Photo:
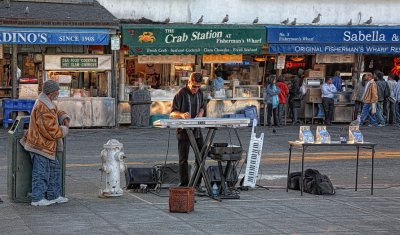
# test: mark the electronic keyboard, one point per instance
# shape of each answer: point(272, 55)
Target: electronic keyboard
point(202, 122)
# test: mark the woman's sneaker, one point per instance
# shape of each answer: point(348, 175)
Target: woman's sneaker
point(59, 200)
point(42, 202)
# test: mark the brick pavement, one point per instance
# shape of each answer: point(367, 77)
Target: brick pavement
point(259, 211)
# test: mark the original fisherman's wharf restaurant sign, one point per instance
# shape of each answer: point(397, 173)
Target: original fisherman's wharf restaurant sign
point(334, 39)
point(193, 39)
point(54, 36)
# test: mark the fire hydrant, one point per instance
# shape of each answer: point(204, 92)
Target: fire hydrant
point(113, 163)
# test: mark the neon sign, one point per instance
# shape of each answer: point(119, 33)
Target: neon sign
point(396, 66)
point(291, 64)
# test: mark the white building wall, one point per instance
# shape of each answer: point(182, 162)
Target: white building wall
point(334, 12)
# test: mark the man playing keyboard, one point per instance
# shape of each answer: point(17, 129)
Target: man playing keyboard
point(188, 103)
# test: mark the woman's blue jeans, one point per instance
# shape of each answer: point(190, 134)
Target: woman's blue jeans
point(46, 178)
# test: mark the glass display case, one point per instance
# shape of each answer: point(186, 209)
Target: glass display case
point(246, 91)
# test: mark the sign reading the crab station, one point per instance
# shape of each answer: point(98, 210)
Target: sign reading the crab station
point(193, 39)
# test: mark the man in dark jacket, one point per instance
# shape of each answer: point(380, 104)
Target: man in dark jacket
point(383, 94)
point(188, 103)
point(295, 97)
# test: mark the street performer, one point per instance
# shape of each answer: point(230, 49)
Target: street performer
point(188, 103)
point(47, 126)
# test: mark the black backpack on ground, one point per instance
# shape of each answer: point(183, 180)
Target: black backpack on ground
point(314, 182)
point(294, 180)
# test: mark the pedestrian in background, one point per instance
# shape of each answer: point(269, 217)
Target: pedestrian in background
point(295, 98)
point(218, 82)
point(282, 97)
point(357, 97)
point(47, 126)
point(391, 101)
point(396, 96)
point(271, 100)
point(337, 81)
point(383, 94)
point(328, 92)
point(369, 99)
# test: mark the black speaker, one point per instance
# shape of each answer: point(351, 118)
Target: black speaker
point(137, 176)
point(215, 176)
point(168, 174)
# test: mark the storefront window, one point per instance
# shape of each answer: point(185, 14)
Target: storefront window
point(385, 63)
point(80, 84)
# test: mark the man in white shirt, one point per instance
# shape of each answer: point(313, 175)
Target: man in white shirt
point(328, 90)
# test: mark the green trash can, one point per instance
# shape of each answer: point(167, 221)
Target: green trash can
point(19, 164)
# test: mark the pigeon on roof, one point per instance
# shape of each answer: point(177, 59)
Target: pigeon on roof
point(369, 21)
point(294, 22)
point(350, 22)
point(200, 20)
point(225, 19)
point(285, 21)
point(255, 21)
point(317, 19)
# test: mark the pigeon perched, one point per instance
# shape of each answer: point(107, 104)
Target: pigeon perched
point(225, 19)
point(317, 19)
point(144, 20)
point(293, 22)
point(26, 10)
point(167, 20)
point(200, 20)
point(369, 21)
point(255, 21)
point(350, 22)
point(285, 21)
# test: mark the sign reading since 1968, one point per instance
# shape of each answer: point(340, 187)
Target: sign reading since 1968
point(79, 62)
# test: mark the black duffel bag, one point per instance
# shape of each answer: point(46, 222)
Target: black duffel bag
point(314, 182)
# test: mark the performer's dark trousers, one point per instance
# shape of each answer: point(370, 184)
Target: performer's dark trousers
point(328, 104)
point(183, 149)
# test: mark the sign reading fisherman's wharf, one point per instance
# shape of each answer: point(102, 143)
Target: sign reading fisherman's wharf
point(193, 39)
point(217, 37)
point(333, 34)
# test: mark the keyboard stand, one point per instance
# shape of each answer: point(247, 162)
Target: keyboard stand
point(200, 157)
point(212, 124)
point(226, 192)
point(199, 168)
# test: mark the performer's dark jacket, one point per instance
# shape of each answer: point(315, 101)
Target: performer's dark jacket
point(185, 101)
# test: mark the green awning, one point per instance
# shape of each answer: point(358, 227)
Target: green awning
point(193, 39)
